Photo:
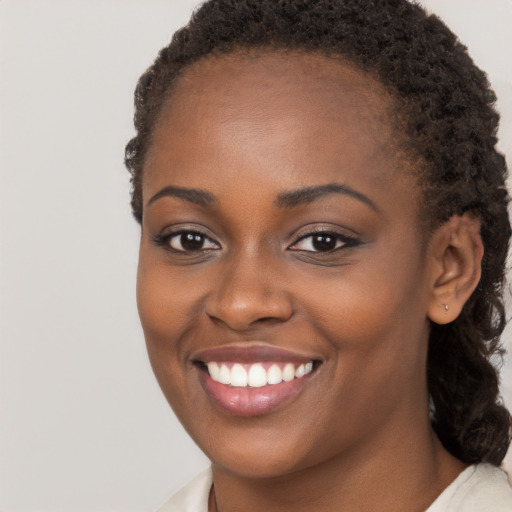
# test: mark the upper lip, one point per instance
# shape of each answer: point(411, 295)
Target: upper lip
point(252, 352)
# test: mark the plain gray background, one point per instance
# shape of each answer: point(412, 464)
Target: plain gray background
point(83, 425)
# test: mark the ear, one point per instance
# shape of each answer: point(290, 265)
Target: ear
point(456, 252)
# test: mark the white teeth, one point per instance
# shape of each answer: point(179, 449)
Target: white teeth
point(255, 375)
point(288, 372)
point(238, 376)
point(274, 375)
point(225, 375)
point(214, 370)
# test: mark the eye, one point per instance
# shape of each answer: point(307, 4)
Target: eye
point(324, 241)
point(186, 241)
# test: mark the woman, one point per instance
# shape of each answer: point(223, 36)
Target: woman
point(324, 231)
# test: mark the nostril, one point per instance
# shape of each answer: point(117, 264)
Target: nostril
point(241, 319)
point(243, 301)
point(267, 319)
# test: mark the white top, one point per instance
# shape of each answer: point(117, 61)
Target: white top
point(479, 488)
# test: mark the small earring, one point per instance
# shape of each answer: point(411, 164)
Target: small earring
point(445, 308)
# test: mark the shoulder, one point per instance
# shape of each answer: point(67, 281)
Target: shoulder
point(191, 498)
point(480, 488)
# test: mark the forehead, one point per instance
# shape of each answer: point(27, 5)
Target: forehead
point(263, 72)
point(295, 114)
point(251, 84)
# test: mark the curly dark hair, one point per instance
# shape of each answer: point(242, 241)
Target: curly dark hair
point(446, 109)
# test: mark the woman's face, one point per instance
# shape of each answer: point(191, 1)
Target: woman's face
point(280, 237)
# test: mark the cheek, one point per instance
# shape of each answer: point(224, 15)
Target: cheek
point(374, 316)
point(377, 332)
point(161, 305)
point(165, 300)
point(153, 295)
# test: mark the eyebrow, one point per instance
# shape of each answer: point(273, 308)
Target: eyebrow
point(287, 199)
point(307, 195)
point(192, 195)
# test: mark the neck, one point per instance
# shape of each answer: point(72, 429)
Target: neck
point(405, 471)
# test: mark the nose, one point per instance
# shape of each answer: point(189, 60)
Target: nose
point(248, 293)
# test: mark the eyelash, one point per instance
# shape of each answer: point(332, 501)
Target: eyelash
point(346, 240)
point(164, 240)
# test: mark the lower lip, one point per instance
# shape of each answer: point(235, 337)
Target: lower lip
point(249, 401)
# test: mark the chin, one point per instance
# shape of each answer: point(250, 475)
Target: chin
point(256, 464)
point(259, 452)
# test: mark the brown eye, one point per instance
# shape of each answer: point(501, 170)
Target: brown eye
point(191, 241)
point(323, 242)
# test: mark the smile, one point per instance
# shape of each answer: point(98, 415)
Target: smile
point(258, 374)
point(253, 379)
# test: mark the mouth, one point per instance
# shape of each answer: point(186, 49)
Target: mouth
point(253, 380)
point(256, 375)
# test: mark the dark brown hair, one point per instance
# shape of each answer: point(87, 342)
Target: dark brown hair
point(446, 109)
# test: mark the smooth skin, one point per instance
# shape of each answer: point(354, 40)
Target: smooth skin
point(238, 135)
